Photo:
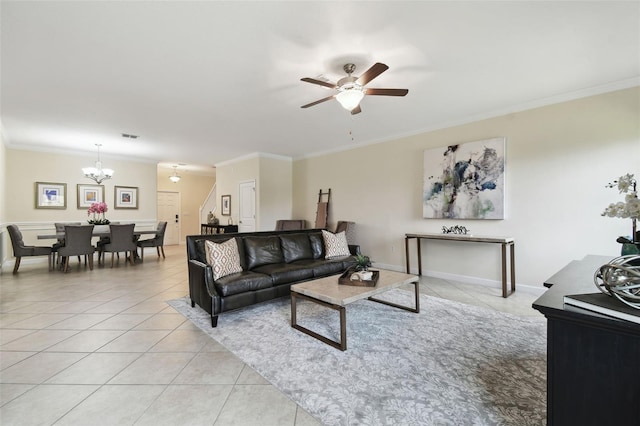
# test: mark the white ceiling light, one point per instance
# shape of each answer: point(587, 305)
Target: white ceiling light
point(350, 98)
point(174, 177)
point(97, 173)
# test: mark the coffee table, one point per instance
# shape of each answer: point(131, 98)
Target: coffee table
point(328, 293)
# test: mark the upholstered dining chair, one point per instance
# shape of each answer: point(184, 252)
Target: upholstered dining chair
point(157, 241)
point(21, 250)
point(77, 242)
point(60, 230)
point(290, 224)
point(120, 239)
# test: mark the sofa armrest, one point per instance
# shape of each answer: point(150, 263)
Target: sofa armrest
point(354, 249)
point(201, 287)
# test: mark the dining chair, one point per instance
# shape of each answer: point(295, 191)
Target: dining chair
point(20, 249)
point(60, 231)
point(348, 228)
point(77, 242)
point(157, 241)
point(120, 239)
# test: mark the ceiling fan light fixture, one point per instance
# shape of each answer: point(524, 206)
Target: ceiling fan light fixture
point(350, 98)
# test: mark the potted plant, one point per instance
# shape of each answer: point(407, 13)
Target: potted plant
point(629, 209)
point(362, 262)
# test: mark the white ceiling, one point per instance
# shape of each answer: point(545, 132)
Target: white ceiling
point(205, 82)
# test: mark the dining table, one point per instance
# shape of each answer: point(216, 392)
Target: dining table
point(60, 235)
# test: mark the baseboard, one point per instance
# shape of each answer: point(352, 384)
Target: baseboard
point(529, 289)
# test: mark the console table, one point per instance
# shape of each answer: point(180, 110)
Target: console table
point(503, 241)
point(205, 228)
point(592, 359)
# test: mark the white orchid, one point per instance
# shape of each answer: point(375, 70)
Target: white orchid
point(630, 208)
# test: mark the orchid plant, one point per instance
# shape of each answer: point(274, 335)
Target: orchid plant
point(98, 209)
point(630, 208)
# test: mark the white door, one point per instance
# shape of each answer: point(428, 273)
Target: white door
point(247, 207)
point(169, 211)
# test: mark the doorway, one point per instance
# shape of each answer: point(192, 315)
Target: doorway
point(247, 207)
point(169, 211)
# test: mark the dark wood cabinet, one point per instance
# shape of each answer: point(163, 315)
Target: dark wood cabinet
point(593, 361)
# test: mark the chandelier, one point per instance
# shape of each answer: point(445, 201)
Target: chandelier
point(174, 177)
point(97, 173)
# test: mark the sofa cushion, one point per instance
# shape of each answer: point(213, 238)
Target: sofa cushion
point(223, 258)
point(262, 251)
point(317, 245)
point(322, 268)
point(284, 273)
point(335, 245)
point(296, 247)
point(242, 282)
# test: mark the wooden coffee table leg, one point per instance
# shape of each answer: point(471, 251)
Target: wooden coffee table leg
point(342, 344)
point(406, 308)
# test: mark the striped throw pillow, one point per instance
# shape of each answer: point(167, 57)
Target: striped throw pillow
point(223, 258)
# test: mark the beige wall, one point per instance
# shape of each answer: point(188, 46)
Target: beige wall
point(5, 244)
point(273, 177)
point(558, 160)
point(275, 191)
point(24, 168)
point(193, 189)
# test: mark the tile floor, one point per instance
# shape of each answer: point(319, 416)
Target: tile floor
point(102, 347)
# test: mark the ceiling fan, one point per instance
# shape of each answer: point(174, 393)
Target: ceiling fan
point(351, 90)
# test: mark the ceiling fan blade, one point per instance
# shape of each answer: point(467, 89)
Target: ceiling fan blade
point(356, 110)
point(318, 102)
point(320, 82)
point(387, 92)
point(375, 70)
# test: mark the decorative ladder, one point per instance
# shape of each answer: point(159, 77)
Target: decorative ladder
point(323, 209)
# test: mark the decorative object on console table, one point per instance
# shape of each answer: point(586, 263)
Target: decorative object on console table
point(226, 205)
point(620, 278)
point(126, 197)
point(50, 195)
point(601, 303)
point(630, 208)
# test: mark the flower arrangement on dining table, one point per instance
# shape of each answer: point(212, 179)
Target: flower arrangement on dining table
point(629, 209)
point(98, 210)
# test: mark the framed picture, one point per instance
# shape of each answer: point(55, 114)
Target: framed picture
point(88, 194)
point(126, 197)
point(50, 195)
point(226, 205)
point(465, 181)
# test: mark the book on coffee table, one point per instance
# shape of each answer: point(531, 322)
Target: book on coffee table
point(604, 304)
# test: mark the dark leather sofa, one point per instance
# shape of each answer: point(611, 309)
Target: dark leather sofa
point(271, 262)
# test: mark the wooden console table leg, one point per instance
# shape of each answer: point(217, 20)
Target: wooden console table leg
point(513, 267)
point(419, 257)
point(504, 270)
point(406, 253)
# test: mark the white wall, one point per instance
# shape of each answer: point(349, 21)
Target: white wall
point(558, 160)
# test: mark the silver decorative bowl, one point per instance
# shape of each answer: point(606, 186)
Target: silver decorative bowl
point(620, 278)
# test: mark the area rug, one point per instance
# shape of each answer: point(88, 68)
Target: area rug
point(451, 364)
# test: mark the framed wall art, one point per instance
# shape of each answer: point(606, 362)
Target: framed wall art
point(126, 197)
point(51, 195)
point(226, 205)
point(465, 181)
point(88, 194)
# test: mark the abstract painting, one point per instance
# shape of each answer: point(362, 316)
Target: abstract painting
point(464, 181)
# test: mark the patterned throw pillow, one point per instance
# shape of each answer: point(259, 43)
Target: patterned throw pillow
point(335, 245)
point(223, 258)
